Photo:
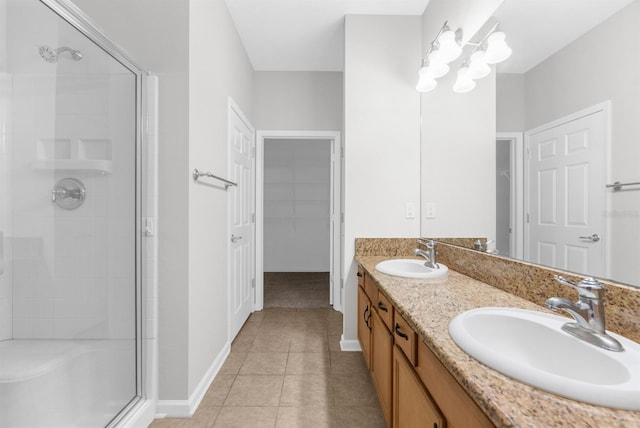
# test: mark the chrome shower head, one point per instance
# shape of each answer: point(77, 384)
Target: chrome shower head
point(51, 55)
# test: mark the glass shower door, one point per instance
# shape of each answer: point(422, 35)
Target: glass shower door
point(69, 226)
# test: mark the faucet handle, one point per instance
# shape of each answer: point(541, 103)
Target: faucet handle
point(589, 287)
point(429, 244)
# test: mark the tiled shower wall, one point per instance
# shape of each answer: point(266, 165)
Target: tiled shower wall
point(73, 270)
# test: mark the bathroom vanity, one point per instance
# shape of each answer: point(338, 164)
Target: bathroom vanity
point(424, 379)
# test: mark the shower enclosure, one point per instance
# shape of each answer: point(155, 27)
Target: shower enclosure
point(71, 339)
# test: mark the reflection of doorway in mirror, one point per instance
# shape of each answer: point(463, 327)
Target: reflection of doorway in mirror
point(503, 197)
point(509, 196)
point(564, 191)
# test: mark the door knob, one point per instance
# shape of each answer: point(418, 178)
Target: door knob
point(235, 238)
point(592, 238)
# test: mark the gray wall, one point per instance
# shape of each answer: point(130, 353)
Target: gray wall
point(144, 35)
point(297, 100)
point(175, 40)
point(510, 113)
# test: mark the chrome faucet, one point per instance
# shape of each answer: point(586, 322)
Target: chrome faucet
point(588, 312)
point(429, 254)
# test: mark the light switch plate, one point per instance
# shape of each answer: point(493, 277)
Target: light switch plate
point(430, 211)
point(410, 210)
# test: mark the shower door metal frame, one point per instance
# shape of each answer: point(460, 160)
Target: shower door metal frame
point(69, 12)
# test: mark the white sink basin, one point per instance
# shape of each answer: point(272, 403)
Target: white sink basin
point(530, 346)
point(412, 268)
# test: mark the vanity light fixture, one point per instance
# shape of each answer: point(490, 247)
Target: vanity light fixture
point(446, 47)
point(426, 80)
point(464, 82)
point(476, 66)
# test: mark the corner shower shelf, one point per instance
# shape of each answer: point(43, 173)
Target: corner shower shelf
point(73, 154)
point(79, 165)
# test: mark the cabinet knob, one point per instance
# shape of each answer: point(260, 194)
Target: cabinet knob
point(382, 307)
point(400, 333)
point(359, 274)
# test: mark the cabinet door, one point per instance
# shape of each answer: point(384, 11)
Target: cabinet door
point(382, 363)
point(412, 405)
point(452, 399)
point(364, 325)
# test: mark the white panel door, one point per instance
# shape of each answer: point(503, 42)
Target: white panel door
point(566, 194)
point(241, 272)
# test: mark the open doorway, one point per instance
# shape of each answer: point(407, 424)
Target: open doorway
point(298, 220)
point(509, 194)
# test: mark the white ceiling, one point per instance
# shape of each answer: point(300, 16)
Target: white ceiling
point(304, 35)
point(308, 35)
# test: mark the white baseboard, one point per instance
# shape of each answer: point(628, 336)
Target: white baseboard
point(349, 345)
point(186, 408)
point(139, 417)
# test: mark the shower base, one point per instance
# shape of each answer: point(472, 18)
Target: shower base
point(65, 383)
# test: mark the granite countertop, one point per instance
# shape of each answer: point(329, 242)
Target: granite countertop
point(429, 307)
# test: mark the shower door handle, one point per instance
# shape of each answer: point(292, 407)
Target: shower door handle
point(235, 238)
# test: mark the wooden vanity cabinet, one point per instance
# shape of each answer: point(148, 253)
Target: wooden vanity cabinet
point(364, 328)
point(381, 364)
point(376, 340)
point(460, 410)
point(414, 388)
point(412, 405)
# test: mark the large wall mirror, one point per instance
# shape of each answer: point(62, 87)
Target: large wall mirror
point(568, 125)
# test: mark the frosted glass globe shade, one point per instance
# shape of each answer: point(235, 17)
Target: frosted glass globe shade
point(478, 67)
point(497, 48)
point(448, 47)
point(464, 83)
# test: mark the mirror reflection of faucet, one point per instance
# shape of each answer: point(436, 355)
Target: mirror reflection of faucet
point(480, 245)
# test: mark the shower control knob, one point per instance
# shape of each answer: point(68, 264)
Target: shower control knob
point(69, 193)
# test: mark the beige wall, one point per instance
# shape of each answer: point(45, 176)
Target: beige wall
point(382, 136)
point(297, 100)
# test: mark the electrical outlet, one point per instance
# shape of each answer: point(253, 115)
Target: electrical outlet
point(410, 210)
point(430, 211)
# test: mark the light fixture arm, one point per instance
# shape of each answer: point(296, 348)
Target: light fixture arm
point(478, 45)
point(445, 27)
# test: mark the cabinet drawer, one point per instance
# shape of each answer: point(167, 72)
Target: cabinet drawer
point(385, 309)
point(405, 337)
point(370, 287)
